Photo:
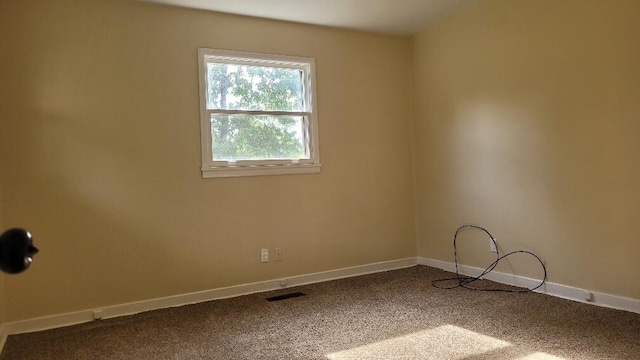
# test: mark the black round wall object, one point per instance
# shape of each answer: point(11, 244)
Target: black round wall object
point(16, 250)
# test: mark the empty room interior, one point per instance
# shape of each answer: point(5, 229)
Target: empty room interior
point(415, 118)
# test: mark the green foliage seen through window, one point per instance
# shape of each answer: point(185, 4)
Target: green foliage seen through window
point(255, 88)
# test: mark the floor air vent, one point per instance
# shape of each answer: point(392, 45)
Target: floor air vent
point(285, 296)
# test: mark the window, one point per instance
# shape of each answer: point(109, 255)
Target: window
point(258, 114)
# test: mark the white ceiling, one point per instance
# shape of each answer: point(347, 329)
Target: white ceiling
point(393, 17)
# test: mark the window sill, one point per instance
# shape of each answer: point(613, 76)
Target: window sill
point(259, 170)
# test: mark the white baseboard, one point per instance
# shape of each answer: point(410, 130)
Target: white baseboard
point(55, 321)
point(558, 290)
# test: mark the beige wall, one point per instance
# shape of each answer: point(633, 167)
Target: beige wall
point(2, 296)
point(3, 115)
point(100, 136)
point(528, 122)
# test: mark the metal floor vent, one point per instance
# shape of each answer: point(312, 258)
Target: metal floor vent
point(286, 296)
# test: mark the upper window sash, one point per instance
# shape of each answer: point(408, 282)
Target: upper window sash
point(226, 57)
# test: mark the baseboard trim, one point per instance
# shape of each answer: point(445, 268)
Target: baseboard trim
point(553, 289)
point(56, 321)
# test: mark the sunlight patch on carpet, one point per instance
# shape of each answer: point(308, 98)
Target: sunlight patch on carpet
point(444, 342)
point(540, 356)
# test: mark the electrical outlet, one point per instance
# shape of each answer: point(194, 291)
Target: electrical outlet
point(277, 254)
point(492, 245)
point(264, 255)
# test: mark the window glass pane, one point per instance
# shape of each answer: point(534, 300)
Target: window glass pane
point(243, 87)
point(258, 137)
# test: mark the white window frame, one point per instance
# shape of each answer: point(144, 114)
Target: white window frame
point(211, 168)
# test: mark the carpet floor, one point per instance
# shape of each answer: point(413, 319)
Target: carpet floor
point(390, 315)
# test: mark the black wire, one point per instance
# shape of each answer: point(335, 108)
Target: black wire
point(463, 281)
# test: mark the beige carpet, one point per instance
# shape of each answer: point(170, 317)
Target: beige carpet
point(391, 315)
